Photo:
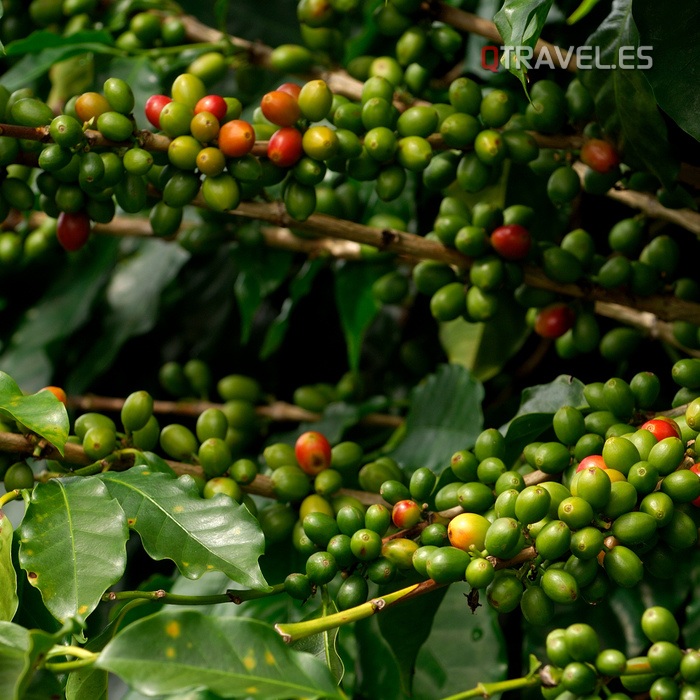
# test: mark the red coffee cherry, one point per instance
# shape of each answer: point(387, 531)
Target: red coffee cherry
point(154, 106)
point(214, 104)
point(313, 452)
point(511, 241)
point(291, 89)
point(592, 461)
point(285, 147)
point(599, 155)
point(73, 230)
point(554, 320)
point(662, 427)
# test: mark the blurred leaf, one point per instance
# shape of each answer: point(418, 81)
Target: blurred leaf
point(73, 544)
point(625, 102)
point(520, 23)
point(42, 413)
point(243, 657)
point(299, 287)
point(220, 11)
point(484, 348)
point(406, 647)
point(445, 416)
point(41, 40)
point(198, 534)
point(357, 306)
point(43, 49)
point(64, 307)
point(380, 675)
point(456, 634)
point(262, 270)
point(21, 650)
point(133, 302)
point(581, 11)
point(674, 68)
point(8, 576)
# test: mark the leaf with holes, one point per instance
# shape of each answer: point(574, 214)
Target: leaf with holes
point(242, 658)
point(73, 544)
point(198, 534)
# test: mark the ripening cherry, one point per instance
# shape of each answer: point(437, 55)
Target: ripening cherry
point(313, 452)
point(73, 230)
point(554, 320)
point(406, 513)
point(57, 392)
point(511, 241)
point(154, 106)
point(696, 468)
point(290, 88)
point(592, 461)
point(662, 427)
point(236, 138)
point(280, 108)
point(599, 155)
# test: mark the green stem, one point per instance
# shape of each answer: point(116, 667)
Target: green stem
point(293, 631)
point(70, 650)
point(162, 596)
point(68, 666)
point(9, 496)
point(486, 690)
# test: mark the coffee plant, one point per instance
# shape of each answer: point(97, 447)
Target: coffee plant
point(349, 349)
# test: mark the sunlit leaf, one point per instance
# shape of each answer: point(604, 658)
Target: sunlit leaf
point(8, 575)
point(198, 534)
point(73, 544)
point(242, 658)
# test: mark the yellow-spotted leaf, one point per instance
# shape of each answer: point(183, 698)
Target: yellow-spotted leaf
point(199, 535)
point(73, 544)
point(242, 658)
point(8, 575)
point(42, 413)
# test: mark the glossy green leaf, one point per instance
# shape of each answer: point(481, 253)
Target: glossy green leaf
point(198, 534)
point(132, 305)
point(520, 23)
point(155, 462)
point(676, 55)
point(299, 287)
point(243, 658)
point(458, 634)
point(262, 270)
point(73, 544)
point(65, 306)
point(357, 306)
point(42, 413)
point(8, 576)
point(523, 430)
point(445, 416)
point(624, 99)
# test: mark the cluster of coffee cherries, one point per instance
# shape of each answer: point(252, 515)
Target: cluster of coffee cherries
point(579, 667)
point(612, 495)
